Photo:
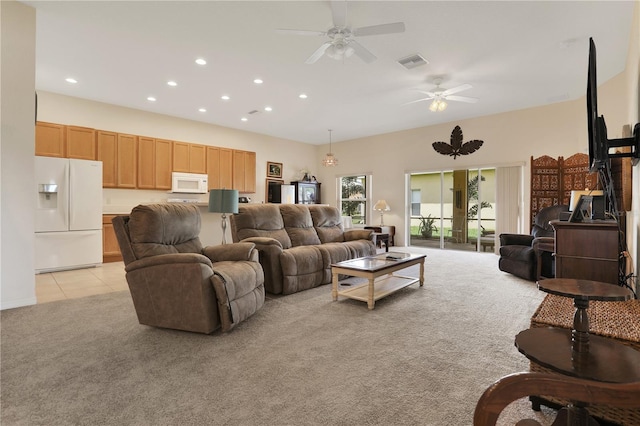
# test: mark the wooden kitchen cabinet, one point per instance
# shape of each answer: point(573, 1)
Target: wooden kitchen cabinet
point(110, 247)
point(146, 163)
point(220, 167)
point(81, 142)
point(189, 157)
point(197, 158)
point(127, 164)
point(107, 145)
point(50, 140)
point(244, 171)
point(154, 163)
point(163, 164)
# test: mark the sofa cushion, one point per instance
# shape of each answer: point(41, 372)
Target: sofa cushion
point(328, 223)
point(302, 268)
point(298, 224)
point(157, 229)
point(259, 220)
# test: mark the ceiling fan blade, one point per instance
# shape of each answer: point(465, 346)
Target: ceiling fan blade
point(418, 100)
point(339, 13)
point(318, 53)
point(362, 52)
point(300, 32)
point(456, 89)
point(462, 99)
point(430, 94)
point(396, 27)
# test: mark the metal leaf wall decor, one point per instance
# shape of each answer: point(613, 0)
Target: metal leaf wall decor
point(456, 147)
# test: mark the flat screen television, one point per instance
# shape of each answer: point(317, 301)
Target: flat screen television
point(599, 144)
point(598, 149)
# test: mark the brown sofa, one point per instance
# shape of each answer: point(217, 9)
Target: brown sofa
point(175, 282)
point(298, 243)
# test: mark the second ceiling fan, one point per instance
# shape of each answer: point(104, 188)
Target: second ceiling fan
point(439, 96)
point(342, 43)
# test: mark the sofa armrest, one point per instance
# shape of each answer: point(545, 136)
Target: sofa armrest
point(358, 234)
point(232, 252)
point(516, 240)
point(167, 259)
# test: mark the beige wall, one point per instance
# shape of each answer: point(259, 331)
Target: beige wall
point(17, 181)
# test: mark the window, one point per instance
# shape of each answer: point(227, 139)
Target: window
point(353, 198)
point(416, 198)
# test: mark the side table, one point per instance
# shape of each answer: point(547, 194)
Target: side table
point(576, 352)
point(384, 229)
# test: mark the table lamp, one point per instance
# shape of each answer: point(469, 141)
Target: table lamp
point(382, 207)
point(223, 201)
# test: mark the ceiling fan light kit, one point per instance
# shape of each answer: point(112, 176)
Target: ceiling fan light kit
point(342, 43)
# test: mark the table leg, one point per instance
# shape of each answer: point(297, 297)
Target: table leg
point(370, 301)
point(422, 273)
point(580, 332)
point(334, 286)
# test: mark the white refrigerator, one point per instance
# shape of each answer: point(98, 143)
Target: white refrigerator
point(68, 214)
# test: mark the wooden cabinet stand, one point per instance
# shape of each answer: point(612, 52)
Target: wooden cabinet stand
point(587, 250)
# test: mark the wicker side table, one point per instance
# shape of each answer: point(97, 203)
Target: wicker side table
point(616, 320)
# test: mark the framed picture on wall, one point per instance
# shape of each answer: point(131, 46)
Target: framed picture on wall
point(274, 170)
point(273, 190)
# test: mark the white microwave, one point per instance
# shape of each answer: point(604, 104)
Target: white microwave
point(189, 183)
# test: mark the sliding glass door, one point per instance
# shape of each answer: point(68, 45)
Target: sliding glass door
point(453, 209)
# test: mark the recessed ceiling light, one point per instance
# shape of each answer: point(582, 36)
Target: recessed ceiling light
point(201, 61)
point(151, 99)
point(268, 108)
point(244, 119)
point(71, 80)
point(225, 97)
point(172, 83)
point(302, 96)
point(258, 81)
point(202, 110)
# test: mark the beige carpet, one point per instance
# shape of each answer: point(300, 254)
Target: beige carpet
point(422, 357)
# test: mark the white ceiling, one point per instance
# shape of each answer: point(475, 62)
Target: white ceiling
point(515, 55)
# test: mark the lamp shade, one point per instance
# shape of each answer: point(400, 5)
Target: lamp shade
point(381, 206)
point(223, 201)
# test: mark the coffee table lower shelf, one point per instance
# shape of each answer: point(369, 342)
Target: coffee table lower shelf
point(383, 287)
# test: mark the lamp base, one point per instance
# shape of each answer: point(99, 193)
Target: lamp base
point(224, 228)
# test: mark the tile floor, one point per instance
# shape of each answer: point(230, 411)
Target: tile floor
point(80, 282)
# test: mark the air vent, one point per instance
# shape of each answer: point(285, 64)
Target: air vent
point(413, 61)
point(255, 111)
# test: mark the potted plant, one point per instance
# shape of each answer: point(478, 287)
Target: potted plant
point(427, 226)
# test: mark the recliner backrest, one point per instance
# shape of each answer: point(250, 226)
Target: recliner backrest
point(156, 229)
point(541, 226)
point(328, 223)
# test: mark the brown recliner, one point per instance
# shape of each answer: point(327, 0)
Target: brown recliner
point(531, 256)
point(175, 282)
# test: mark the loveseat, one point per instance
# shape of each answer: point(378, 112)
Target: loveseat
point(298, 243)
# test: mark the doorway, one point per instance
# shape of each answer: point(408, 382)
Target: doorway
point(454, 209)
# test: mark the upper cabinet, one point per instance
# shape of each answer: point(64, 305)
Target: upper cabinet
point(189, 157)
point(244, 171)
point(154, 163)
point(127, 165)
point(164, 156)
point(220, 167)
point(107, 153)
point(131, 161)
point(81, 143)
point(50, 140)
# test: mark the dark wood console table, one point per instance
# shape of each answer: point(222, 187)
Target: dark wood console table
point(587, 250)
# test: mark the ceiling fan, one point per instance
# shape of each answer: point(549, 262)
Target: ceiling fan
point(342, 43)
point(439, 96)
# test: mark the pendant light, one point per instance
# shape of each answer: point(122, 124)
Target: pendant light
point(329, 159)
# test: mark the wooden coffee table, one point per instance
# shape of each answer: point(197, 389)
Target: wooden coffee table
point(373, 267)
